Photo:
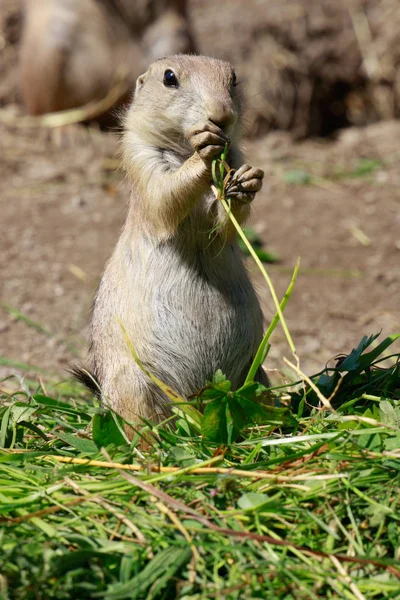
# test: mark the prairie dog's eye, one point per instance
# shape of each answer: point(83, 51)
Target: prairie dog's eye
point(234, 79)
point(170, 79)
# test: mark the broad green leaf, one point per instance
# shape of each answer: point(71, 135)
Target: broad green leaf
point(264, 255)
point(218, 377)
point(376, 514)
point(252, 500)
point(216, 390)
point(223, 420)
point(82, 444)
point(352, 361)
point(370, 441)
point(392, 443)
point(183, 425)
point(181, 455)
point(213, 425)
point(389, 414)
point(21, 412)
point(105, 430)
point(235, 418)
point(252, 390)
point(225, 417)
point(260, 414)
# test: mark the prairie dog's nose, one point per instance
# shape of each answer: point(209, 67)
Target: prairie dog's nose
point(221, 114)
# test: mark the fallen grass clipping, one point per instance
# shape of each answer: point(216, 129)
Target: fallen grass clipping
point(234, 499)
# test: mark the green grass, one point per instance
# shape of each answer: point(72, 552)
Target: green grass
point(305, 175)
point(310, 510)
point(233, 499)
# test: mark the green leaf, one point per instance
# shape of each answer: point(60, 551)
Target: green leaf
point(60, 406)
point(366, 166)
point(4, 427)
point(252, 236)
point(389, 414)
point(183, 426)
point(352, 361)
point(214, 391)
point(260, 414)
point(82, 444)
point(21, 412)
point(218, 377)
point(182, 456)
point(157, 573)
point(369, 358)
point(74, 560)
point(370, 441)
point(105, 430)
point(327, 383)
point(213, 425)
point(235, 419)
point(223, 420)
point(252, 390)
point(227, 415)
point(252, 501)
point(297, 177)
point(45, 526)
point(377, 515)
point(264, 255)
point(392, 443)
point(256, 242)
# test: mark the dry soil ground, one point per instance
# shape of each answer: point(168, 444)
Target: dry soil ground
point(335, 204)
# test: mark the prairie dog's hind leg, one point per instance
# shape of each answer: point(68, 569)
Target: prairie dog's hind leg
point(138, 398)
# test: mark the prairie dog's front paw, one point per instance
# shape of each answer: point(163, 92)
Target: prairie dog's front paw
point(245, 183)
point(208, 140)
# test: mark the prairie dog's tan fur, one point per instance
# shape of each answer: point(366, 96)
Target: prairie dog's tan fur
point(69, 54)
point(181, 291)
point(74, 51)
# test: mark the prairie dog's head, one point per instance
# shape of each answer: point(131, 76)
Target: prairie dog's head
point(179, 92)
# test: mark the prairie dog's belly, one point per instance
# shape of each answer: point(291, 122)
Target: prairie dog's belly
point(198, 329)
point(189, 314)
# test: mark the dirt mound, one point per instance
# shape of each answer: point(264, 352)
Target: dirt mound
point(310, 67)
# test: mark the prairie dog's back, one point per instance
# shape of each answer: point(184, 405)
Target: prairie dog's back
point(74, 51)
point(64, 62)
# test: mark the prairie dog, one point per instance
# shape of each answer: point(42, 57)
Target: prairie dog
point(72, 51)
point(68, 55)
point(176, 278)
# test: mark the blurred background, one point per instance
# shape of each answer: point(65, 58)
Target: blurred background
point(321, 85)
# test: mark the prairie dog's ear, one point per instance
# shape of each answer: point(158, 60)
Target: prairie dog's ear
point(139, 84)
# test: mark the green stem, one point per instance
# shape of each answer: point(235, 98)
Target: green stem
point(264, 274)
point(258, 359)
